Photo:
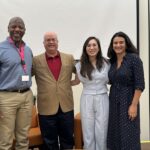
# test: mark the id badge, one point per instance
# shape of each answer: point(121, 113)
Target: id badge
point(25, 77)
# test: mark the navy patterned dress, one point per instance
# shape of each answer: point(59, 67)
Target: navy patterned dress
point(124, 134)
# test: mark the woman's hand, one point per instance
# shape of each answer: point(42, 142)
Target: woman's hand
point(132, 111)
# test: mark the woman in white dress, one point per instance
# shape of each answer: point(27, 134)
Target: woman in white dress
point(92, 71)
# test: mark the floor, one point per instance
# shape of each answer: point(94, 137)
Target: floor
point(144, 147)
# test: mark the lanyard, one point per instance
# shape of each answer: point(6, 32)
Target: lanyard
point(21, 54)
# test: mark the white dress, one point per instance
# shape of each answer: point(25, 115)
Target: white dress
point(94, 108)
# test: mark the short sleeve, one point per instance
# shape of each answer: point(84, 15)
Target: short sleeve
point(78, 67)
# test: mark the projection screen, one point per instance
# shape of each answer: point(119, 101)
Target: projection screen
point(72, 20)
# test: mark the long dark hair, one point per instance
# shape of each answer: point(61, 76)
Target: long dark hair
point(86, 66)
point(130, 48)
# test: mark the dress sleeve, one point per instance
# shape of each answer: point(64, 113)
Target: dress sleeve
point(138, 73)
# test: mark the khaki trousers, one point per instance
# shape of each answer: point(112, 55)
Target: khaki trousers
point(15, 120)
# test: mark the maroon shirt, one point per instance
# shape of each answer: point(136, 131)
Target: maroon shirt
point(54, 64)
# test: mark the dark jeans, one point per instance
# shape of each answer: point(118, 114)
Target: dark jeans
point(57, 130)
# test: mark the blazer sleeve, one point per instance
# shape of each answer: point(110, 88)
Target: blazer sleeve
point(73, 64)
point(33, 66)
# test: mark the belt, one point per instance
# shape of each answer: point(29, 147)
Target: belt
point(18, 91)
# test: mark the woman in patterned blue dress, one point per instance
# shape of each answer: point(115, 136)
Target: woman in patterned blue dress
point(126, 77)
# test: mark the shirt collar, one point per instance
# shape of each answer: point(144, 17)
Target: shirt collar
point(49, 57)
point(10, 40)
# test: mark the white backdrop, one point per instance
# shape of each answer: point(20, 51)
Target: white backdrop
point(72, 20)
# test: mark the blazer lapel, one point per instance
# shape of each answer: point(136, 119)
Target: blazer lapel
point(47, 67)
point(62, 64)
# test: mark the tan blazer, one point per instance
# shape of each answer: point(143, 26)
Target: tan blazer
point(51, 93)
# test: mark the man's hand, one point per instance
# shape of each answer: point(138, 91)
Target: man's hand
point(1, 115)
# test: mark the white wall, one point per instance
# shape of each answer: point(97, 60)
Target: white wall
point(144, 53)
point(72, 20)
